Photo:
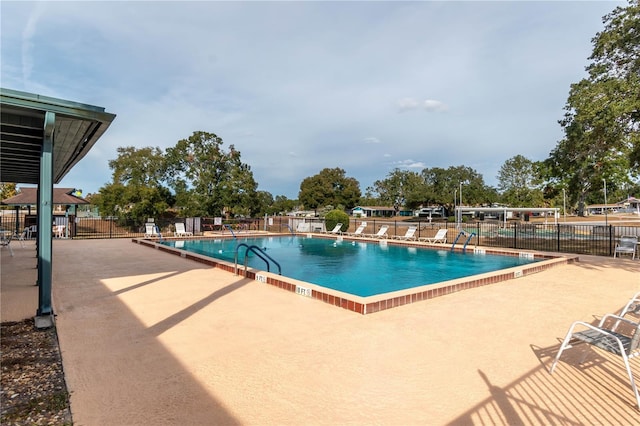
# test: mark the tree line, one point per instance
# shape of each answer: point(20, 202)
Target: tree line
point(600, 147)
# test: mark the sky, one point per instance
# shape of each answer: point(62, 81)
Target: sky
point(298, 86)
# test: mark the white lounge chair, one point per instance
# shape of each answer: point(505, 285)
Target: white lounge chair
point(626, 245)
point(181, 231)
point(336, 229)
point(440, 237)
point(59, 231)
point(151, 231)
point(358, 231)
point(409, 235)
point(609, 337)
point(382, 232)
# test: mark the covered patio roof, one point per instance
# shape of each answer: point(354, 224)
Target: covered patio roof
point(77, 128)
point(41, 139)
point(29, 196)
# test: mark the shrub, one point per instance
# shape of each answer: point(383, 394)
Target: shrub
point(334, 217)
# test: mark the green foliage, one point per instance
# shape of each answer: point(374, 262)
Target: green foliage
point(435, 186)
point(136, 192)
point(602, 115)
point(519, 182)
point(138, 166)
point(7, 189)
point(133, 202)
point(209, 180)
point(334, 217)
point(264, 200)
point(282, 205)
point(400, 188)
point(444, 184)
point(329, 187)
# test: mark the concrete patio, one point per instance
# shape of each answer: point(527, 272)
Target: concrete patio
point(151, 338)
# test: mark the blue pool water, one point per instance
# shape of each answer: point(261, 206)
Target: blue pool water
point(359, 268)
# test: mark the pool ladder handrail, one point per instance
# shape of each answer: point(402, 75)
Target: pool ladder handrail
point(464, 248)
point(226, 225)
point(260, 253)
point(290, 229)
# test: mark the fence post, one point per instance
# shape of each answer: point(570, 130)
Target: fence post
point(611, 236)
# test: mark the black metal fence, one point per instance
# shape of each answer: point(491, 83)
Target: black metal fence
point(551, 237)
point(590, 239)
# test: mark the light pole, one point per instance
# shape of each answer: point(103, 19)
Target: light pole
point(606, 222)
point(564, 204)
point(455, 195)
point(460, 199)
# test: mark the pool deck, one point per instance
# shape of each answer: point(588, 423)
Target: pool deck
point(151, 338)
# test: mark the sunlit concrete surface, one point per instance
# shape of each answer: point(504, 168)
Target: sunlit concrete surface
point(150, 338)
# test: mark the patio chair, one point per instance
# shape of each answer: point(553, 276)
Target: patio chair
point(336, 229)
point(382, 232)
point(440, 237)
point(59, 231)
point(181, 231)
point(626, 245)
point(151, 231)
point(23, 236)
point(409, 235)
point(32, 231)
point(358, 231)
point(5, 240)
point(632, 306)
point(609, 338)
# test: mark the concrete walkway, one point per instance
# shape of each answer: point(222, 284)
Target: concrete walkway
point(151, 338)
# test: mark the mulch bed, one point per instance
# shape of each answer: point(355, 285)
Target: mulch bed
point(32, 386)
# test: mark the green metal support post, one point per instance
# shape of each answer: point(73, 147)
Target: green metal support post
point(44, 314)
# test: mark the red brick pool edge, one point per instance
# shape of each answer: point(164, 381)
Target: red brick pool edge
point(381, 302)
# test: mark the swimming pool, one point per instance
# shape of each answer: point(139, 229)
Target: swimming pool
point(369, 304)
point(355, 267)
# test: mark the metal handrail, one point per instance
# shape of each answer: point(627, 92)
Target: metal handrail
point(226, 225)
point(260, 253)
point(290, 228)
point(464, 248)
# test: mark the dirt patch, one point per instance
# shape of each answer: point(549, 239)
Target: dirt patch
point(33, 390)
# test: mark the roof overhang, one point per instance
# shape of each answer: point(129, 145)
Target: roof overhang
point(77, 128)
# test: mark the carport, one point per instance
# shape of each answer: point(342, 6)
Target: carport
point(41, 140)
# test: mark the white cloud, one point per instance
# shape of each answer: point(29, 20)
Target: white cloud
point(304, 81)
point(371, 139)
point(430, 105)
point(410, 164)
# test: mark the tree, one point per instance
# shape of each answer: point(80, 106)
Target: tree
point(265, 203)
point(602, 115)
point(282, 205)
point(209, 180)
point(138, 166)
point(444, 184)
point(401, 188)
point(518, 181)
point(329, 187)
point(7, 189)
point(136, 191)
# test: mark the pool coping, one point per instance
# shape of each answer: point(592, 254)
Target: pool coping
point(371, 304)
